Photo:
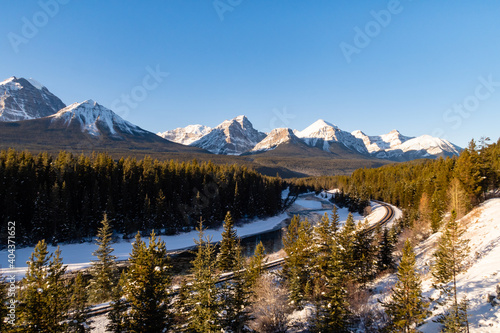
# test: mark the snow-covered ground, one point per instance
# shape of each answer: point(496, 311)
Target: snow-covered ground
point(78, 256)
point(480, 279)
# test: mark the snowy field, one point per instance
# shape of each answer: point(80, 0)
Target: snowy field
point(480, 279)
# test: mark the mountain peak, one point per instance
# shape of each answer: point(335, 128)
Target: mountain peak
point(23, 99)
point(92, 117)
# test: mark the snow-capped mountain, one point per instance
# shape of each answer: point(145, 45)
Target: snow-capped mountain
point(237, 136)
point(321, 134)
point(275, 138)
point(186, 135)
point(232, 137)
point(94, 118)
point(396, 146)
point(22, 99)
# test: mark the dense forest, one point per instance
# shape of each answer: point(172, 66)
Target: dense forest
point(424, 189)
point(63, 198)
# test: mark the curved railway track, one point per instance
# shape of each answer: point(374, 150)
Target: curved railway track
point(388, 216)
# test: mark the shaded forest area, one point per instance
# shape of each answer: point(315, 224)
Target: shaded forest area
point(62, 198)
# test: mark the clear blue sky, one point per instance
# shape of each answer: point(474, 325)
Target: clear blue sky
point(268, 56)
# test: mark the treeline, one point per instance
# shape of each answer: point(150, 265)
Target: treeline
point(63, 198)
point(426, 189)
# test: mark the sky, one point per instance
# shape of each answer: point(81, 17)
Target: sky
point(422, 67)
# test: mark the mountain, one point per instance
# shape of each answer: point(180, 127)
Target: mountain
point(94, 119)
point(395, 146)
point(186, 135)
point(84, 127)
point(275, 138)
point(237, 136)
point(322, 134)
point(22, 99)
point(232, 137)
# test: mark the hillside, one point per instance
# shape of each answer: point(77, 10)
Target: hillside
point(481, 279)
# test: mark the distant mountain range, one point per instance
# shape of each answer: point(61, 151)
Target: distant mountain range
point(33, 118)
point(237, 136)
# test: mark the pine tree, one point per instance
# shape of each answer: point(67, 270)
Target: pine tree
point(204, 301)
point(346, 238)
point(4, 326)
point(386, 247)
point(297, 244)
point(235, 296)
point(332, 314)
point(79, 322)
point(117, 316)
point(364, 254)
point(449, 262)
point(59, 296)
point(104, 271)
point(406, 307)
point(44, 295)
point(455, 320)
point(254, 270)
point(227, 254)
point(146, 290)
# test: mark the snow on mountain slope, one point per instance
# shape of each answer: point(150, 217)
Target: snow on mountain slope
point(326, 132)
point(22, 99)
point(232, 137)
point(93, 117)
point(276, 137)
point(394, 145)
point(381, 142)
point(186, 135)
point(480, 280)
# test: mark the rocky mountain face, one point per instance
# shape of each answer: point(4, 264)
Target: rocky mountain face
point(23, 99)
point(232, 137)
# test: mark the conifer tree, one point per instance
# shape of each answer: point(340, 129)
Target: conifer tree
point(346, 238)
point(104, 271)
point(147, 292)
point(59, 296)
point(297, 244)
point(4, 326)
point(204, 292)
point(386, 247)
point(364, 253)
point(235, 298)
point(406, 309)
point(117, 316)
point(44, 295)
point(227, 254)
point(254, 270)
point(79, 322)
point(449, 262)
point(332, 314)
